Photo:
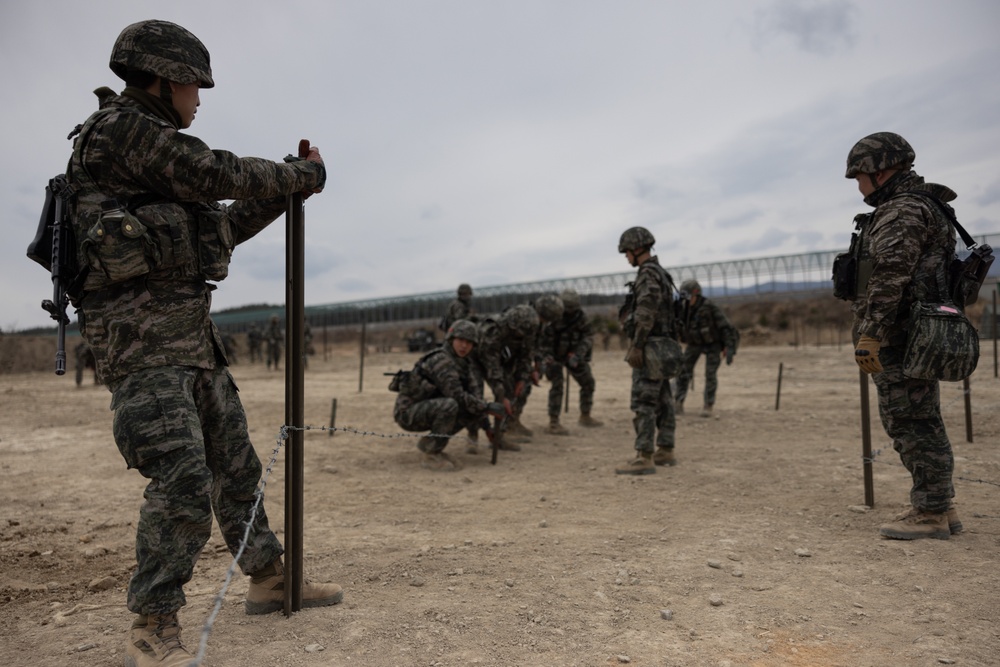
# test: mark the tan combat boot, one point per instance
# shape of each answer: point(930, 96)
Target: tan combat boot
point(954, 521)
point(641, 465)
point(515, 427)
point(555, 428)
point(155, 641)
point(918, 525)
point(588, 421)
point(664, 457)
point(267, 591)
point(706, 411)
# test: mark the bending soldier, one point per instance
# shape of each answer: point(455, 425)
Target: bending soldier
point(568, 342)
point(706, 331)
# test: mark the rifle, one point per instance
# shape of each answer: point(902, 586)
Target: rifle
point(55, 249)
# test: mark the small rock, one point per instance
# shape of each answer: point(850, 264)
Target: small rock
point(946, 661)
point(330, 470)
point(737, 573)
point(715, 565)
point(84, 647)
point(715, 600)
point(315, 648)
point(859, 509)
point(416, 581)
point(509, 583)
point(667, 614)
point(624, 659)
point(803, 553)
point(103, 584)
point(543, 524)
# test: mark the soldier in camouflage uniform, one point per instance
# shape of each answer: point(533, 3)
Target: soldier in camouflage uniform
point(150, 234)
point(274, 338)
point(84, 360)
point(906, 246)
point(459, 309)
point(568, 342)
point(440, 395)
point(254, 340)
point(506, 356)
point(647, 319)
point(704, 328)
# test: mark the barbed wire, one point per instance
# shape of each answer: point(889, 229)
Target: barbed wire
point(878, 452)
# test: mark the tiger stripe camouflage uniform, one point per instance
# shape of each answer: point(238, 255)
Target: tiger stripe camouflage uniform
point(441, 397)
point(705, 330)
point(647, 314)
point(144, 311)
point(909, 242)
point(568, 343)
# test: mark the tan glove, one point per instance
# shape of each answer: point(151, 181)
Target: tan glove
point(635, 357)
point(866, 355)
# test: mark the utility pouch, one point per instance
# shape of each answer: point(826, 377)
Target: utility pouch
point(941, 343)
point(967, 275)
point(118, 245)
point(216, 240)
point(663, 357)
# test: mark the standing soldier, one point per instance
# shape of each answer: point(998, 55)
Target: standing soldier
point(84, 360)
point(440, 395)
point(459, 309)
point(705, 329)
point(275, 338)
point(905, 247)
point(152, 236)
point(569, 342)
point(647, 319)
point(506, 355)
point(254, 343)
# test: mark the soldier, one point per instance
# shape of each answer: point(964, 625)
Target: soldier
point(151, 234)
point(506, 355)
point(440, 395)
point(84, 360)
point(459, 309)
point(230, 345)
point(647, 319)
point(905, 249)
point(568, 342)
point(705, 329)
point(254, 340)
point(275, 339)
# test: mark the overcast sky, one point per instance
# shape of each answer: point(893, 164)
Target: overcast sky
point(495, 142)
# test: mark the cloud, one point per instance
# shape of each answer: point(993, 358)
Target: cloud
point(819, 27)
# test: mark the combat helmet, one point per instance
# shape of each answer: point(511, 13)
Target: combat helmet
point(549, 307)
point(465, 289)
point(882, 150)
point(689, 287)
point(520, 320)
point(465, 330)
point(634, 238)
point(571, 300)
point(164, 49)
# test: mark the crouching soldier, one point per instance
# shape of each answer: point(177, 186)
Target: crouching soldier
point(440, 395)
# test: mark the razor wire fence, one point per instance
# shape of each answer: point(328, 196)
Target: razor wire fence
point(785, 276)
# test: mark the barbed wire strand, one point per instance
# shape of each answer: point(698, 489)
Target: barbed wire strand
point(259, 496)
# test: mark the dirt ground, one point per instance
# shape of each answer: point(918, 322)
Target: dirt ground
point(755, 550)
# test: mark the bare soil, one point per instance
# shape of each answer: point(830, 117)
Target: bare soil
point(755, 550)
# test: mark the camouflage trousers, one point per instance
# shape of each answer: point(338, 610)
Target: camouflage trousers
point(911, 415)
point(184, 430)
point(654, 420)
point(441, 416)
point(583, 376)
point(713, 359)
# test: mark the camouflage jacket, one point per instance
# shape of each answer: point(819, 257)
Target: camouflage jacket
point(648, 308)
point(573, 334)
point(503, 358)
point(910, 244)
point(441, 374)
point(458, 309)
point(145, 301)
point(704, 323)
